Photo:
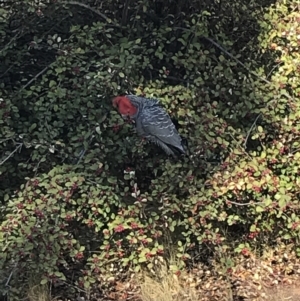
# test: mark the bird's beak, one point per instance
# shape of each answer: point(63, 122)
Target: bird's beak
point(127, 119)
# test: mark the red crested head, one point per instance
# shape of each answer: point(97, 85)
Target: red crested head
point(124, 106)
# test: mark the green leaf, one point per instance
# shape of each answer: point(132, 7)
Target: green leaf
point(142, 259)
point(260, 129)
point(111, 180)
point(259, 209)
point(282, 202)
point(44, 281)
point(263, 154)
point(52, 83)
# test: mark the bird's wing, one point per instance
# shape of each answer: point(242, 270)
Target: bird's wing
point(159, 128)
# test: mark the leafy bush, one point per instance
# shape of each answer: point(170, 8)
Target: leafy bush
point(80, 189)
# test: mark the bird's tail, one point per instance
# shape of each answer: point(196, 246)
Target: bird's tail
point(180, 152)
point(185, 145)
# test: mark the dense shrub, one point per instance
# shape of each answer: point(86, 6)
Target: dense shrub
point(80, 189)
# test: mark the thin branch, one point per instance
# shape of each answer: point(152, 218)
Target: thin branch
point(81, 155)
point(45, 34)
point(249, 132)
point(12, 272)
point(83, 151)
point(233, 138)
point(125, 13)
point(91, 9)
point(245, 204)
point(295, 151)
point(92, 182)
point(7, 70)
point(251, 72)
point(35, 77)
point(37, 167)
point(236, 60)
point(15, 37)
point(274, 69)
point(11, 154)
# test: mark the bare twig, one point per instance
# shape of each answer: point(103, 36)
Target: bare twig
point(92, 182)
point(7, 70)
point(15, 37)
point(249, 132)
point(35, 77)
point(12, 272)
point(251, 72)
point(274, 69)
point(83, 151)
point(233, 138)
point(91, 9)
point(125, 13)
point(236, 60)
point(11, 154)
point(81, 155)
point(245, 204)
point(295, 151)
point(37, 167)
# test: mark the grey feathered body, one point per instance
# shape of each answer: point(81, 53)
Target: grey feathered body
point(155, 124)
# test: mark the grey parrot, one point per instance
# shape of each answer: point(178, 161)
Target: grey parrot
point(152, 122)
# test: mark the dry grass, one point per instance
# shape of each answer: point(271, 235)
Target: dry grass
point(38, 292)
point(254, 278)
point(283, 293)
point(275, 276)
point(165, 286)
